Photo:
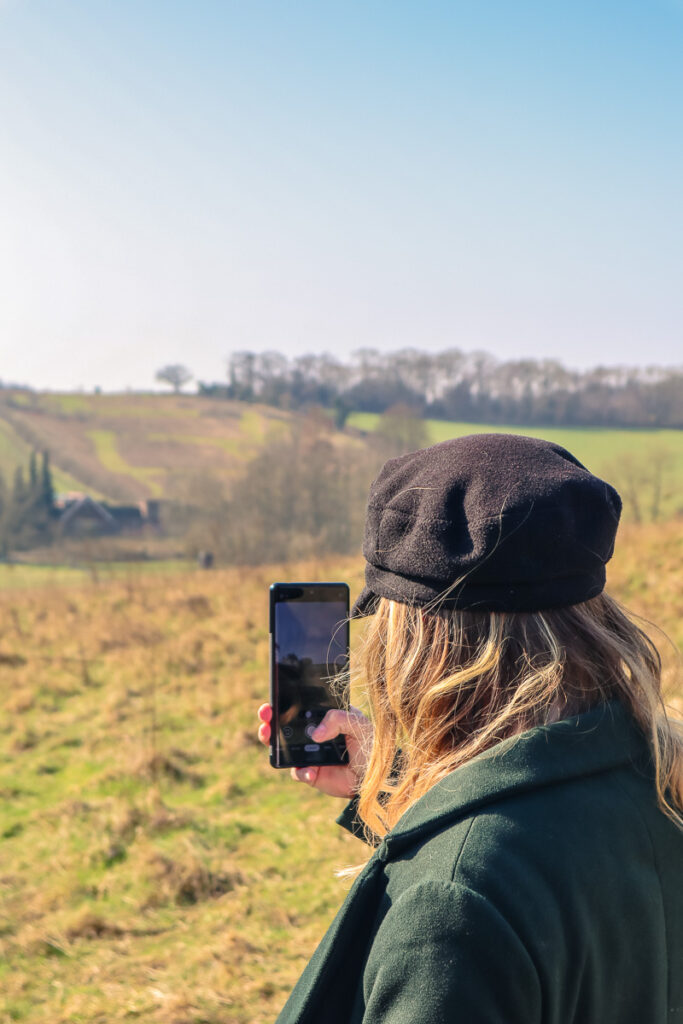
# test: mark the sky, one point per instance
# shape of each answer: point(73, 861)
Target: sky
point(181, 180)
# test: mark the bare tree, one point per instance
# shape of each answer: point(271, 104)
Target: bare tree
point(645, 479)
point(662, 464)
point(174, 374)
point(400, 429)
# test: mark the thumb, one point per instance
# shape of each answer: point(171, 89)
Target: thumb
point(341, 723)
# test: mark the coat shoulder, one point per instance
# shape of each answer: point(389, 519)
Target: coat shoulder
point(554, 830)
point(573, 869)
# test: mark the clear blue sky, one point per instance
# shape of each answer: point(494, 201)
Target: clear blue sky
point(179, 180)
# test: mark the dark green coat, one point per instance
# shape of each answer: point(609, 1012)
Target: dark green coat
point(537, 884)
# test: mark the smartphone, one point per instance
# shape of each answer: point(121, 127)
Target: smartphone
point(309, 660)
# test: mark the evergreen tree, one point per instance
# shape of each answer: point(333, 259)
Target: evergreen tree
point(14, 518)
point(4, 508)
point(33, 474)
point(47, 486)
point(19, 489)
point(27, 521)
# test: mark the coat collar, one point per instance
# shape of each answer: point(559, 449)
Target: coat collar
point(598, 740)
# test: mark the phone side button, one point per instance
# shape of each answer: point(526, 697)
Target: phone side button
point(310, 747)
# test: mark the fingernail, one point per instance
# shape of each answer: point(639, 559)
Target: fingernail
point(318, 733)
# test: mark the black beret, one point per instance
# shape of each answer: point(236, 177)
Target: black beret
point(500, 522)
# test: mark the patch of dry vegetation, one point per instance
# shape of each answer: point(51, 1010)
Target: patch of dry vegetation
point(152, 866)
point(133, 446)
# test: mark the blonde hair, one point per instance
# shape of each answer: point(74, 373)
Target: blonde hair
point(443, 686)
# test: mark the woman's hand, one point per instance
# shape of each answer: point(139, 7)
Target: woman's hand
point(335, 780)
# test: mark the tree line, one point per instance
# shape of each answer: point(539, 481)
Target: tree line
point(473, 387)
point(27, 506)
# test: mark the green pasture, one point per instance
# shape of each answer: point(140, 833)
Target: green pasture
point(22, 575)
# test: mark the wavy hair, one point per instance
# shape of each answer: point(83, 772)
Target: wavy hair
point(445, 685)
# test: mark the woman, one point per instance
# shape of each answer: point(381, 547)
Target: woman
point(523, 784)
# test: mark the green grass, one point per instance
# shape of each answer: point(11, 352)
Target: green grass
point(128, 764)
point(20, 575)
point(108, 452)
point(73, 403)
point(154, 867)
point(106, 447)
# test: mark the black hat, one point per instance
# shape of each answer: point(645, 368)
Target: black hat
point(493, 521)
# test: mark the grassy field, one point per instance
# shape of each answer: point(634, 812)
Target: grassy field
point(126, 447)
point(132, 446)
point(18, 575)
point(152, 866)
point(16, 452)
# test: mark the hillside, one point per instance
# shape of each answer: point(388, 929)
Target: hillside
point(126, 447)
point(154, 868)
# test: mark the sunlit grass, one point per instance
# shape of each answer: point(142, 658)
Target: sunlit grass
point(108, 453)
point(154, 867)
point(23, 575)
point(127, 446)
point(178, 860)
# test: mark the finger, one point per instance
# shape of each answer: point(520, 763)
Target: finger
point(265, 712)
point(264, 732)
point(344, 723)
point(308, 775)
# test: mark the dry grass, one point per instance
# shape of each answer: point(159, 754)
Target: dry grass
point(132, 446)
point(152, 866)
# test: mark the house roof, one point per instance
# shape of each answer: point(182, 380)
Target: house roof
point(90, 507)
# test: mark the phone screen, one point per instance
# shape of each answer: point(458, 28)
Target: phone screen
point(309, 660)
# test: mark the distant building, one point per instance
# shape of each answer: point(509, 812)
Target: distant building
point(78, 514)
